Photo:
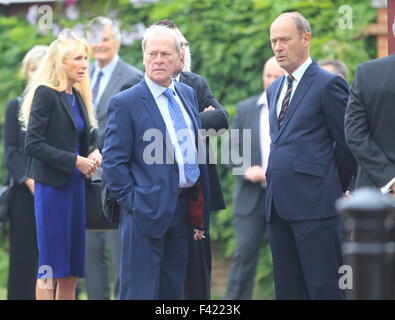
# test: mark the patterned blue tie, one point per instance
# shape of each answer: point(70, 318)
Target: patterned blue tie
point(191, 169)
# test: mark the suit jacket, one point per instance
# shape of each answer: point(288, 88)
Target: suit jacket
point(148, 191)
point(369, 122)
point(52, 137)
point(310, 164)
point(248, 194)
point(121, 73)
point(14, 143)
point(215, 119)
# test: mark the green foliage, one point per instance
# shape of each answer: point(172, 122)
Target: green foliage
point(229, 43)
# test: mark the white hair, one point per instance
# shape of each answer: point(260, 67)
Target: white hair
point(160, 30)
point(97, 25)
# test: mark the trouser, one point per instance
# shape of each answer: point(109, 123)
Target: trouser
point(306, 258)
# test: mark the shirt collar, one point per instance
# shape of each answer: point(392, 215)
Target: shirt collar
point(262, 101)
point(108, 69)
point(178, 77)
point(298, 73)
point(156, 89)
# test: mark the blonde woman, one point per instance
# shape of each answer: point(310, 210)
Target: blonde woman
point(61, 142)
point(22, 236)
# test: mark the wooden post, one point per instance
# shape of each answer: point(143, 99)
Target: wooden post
point(390, 22)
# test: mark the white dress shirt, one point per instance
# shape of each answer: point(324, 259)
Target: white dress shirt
point(297, 74)
point(264, 131)
point(162, 103)
point(105, 79)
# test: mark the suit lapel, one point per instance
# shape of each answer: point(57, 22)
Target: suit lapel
point(273, 108)
point(153, 110)
point(112, 84)
point(194, 116)
point(66, 106)
point(188, 108)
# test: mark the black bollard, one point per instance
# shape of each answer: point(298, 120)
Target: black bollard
point(370, 248)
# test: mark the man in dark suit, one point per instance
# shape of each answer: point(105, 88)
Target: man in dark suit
point(159, 198)
point(310, 166)
point(369, 123)
point(108, 73)
point(213, 116)
point(249, 201)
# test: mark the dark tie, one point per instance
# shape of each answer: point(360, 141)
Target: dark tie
point(191, 169)
point(96, 87)
point(287, 97)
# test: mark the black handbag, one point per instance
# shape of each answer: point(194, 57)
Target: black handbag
point(5, 199)
point(102, 210)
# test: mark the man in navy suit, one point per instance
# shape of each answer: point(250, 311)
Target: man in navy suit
point(310, 166)
point(152, 153)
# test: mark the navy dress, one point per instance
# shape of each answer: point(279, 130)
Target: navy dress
point(60, 219)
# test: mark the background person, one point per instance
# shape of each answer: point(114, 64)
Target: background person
point(336, 67)
point(108, 73)
point(250, 195)
point(23, 250)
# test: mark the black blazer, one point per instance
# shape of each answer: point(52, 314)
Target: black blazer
point(369, 122)
point(215, 119)
point(51, 137)
point(14, 143)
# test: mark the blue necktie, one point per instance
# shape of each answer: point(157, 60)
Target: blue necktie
point(191, 169)
point(96, 87)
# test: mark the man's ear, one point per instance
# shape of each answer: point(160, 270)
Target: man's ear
point(182, 57)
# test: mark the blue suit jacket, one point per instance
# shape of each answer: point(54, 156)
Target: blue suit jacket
point(148, 191)
point(310, 165)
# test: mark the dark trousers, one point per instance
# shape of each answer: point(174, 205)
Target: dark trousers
point(250, 231)
point(306, 258)
point(22, 274)
point(198, 275)
point(100, 245)
point(154, 268)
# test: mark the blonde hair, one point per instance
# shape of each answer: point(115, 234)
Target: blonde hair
point(51, 73)
point(35, 54)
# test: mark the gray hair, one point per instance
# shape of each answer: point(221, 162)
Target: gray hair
point(161, 30)
point(36, 53)
point(301, 22)
point(339, 67)
point(97, 25)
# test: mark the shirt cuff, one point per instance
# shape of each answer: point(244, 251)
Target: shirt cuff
point(387, 187)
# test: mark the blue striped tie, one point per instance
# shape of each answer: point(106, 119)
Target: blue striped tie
point(191, 169)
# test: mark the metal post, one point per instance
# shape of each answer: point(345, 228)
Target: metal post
point(370, 249)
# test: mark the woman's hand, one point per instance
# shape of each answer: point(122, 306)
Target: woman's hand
point(30, 184)
point(96, 157)
point(86, 166)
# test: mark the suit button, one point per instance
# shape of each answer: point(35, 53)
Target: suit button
point(175, 192)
